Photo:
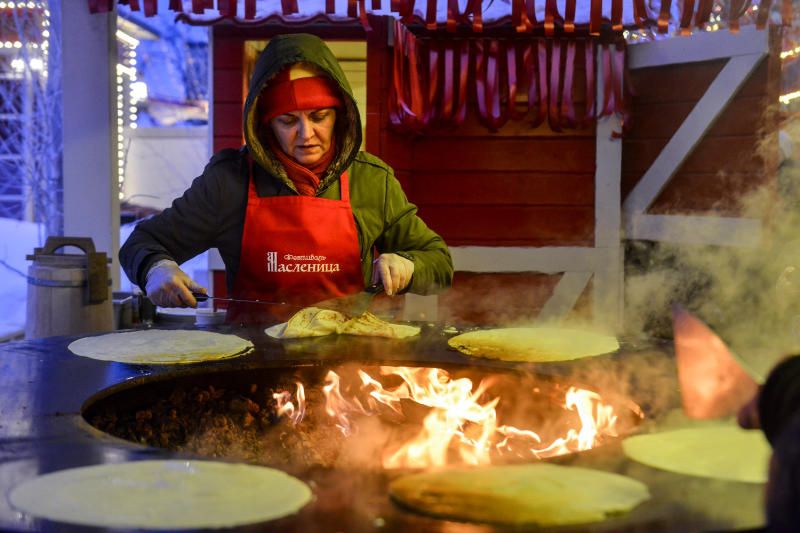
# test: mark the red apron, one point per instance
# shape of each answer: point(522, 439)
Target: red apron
point(295, 249)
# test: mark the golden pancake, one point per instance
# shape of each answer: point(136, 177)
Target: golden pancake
point(534, 494)
point(161, 347)
point(162, 495)
point(535, 345)
point(316, 322)
point(716, 451)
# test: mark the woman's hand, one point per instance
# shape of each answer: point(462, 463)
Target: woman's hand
point(169, 286)
point(393, 271)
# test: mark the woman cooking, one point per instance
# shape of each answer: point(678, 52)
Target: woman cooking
point(298, 214)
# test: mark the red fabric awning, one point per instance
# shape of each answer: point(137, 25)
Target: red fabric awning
point(522, 13)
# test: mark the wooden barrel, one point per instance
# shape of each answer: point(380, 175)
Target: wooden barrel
point(68, 294)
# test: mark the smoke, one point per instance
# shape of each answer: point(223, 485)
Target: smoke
point(749, 294)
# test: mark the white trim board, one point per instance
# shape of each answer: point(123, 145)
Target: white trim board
point(702, 46)
point(546, 259)
point(685, 229)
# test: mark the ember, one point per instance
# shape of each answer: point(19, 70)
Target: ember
point(392, 416)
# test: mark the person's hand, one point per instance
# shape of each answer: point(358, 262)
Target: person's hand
point(393, 271)
point(169, 286)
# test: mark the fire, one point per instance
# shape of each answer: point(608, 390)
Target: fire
point(287, 408)
point(462, 423)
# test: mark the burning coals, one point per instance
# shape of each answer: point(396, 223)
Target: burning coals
point(388, 416)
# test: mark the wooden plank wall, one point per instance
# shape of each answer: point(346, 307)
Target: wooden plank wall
point(521, 186)
point(729, 161)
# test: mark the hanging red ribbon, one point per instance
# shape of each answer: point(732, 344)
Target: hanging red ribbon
point(595, 17)
point(616, 15)
point(763, 14)
point(376, 5)
point(433, 83)
point(569, 16)
point(430, 16)
point(736, 10)
point(249, 9)
point(150, 8)
point(463, 73)
point(686, 17)
point(589, 52)
point(663, 17)
point(704, 9)
point(227, 8)
point(554, 115)
point(176, 5)
point(639, 13)
point(567, 106)
point(477, 16)
point(452, 15)
point(134, 4)
point(550, 15)
point(198, 7)
point(512, 67)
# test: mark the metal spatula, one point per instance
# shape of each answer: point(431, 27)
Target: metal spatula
point(714, 381)
point(352, 304)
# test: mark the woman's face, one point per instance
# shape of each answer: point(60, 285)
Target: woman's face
point(305, 136)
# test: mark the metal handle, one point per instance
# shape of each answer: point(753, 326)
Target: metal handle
point(200, 296)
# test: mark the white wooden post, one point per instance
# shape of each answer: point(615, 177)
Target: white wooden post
point(88, 67)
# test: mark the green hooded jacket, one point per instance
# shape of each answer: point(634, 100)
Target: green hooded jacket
point(211, 212)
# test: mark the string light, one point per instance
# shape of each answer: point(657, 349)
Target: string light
point(790, 53)
point(786, 98)
point(127, 95)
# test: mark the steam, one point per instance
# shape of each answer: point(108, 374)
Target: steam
point(750, 295)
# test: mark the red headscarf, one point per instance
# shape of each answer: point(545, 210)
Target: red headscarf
point(284, 95)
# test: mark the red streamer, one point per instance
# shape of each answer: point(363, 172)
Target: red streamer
point(550, 14)
point(589, 52)
point(430, 15)
point(569, 16)
point(763, 14)
point(596, 17)
point(616, 15)
point(663, 17)
point(567, 106)
point(686, 17)
point(249, 9)
point(554, 114)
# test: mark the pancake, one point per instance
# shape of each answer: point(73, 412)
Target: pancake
point(317, 322)
point(369, 325)
point(535, 345)
point(161, 347)
point(533, 494)
point(717, 451)
point(162, 495)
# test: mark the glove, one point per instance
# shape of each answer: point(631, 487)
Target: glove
point(169, 286)
point(393, 271)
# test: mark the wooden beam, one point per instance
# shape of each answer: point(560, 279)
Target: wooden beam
point(684, 229)
point(702, 46)
point(689, 134)
point(607, 299)
point(565, 296)
point(91, 190)
point(546, 259)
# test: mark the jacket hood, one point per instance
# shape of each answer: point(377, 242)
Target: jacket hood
point(282, 51)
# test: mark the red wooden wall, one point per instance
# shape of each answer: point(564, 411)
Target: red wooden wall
point(525, 186)
point(731, 159)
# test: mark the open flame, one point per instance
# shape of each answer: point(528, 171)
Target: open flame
point(461, 425)
point(287, 408)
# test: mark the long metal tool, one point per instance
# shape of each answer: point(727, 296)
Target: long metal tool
point(352, 304)
point(202, 297)
point(714, 382)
